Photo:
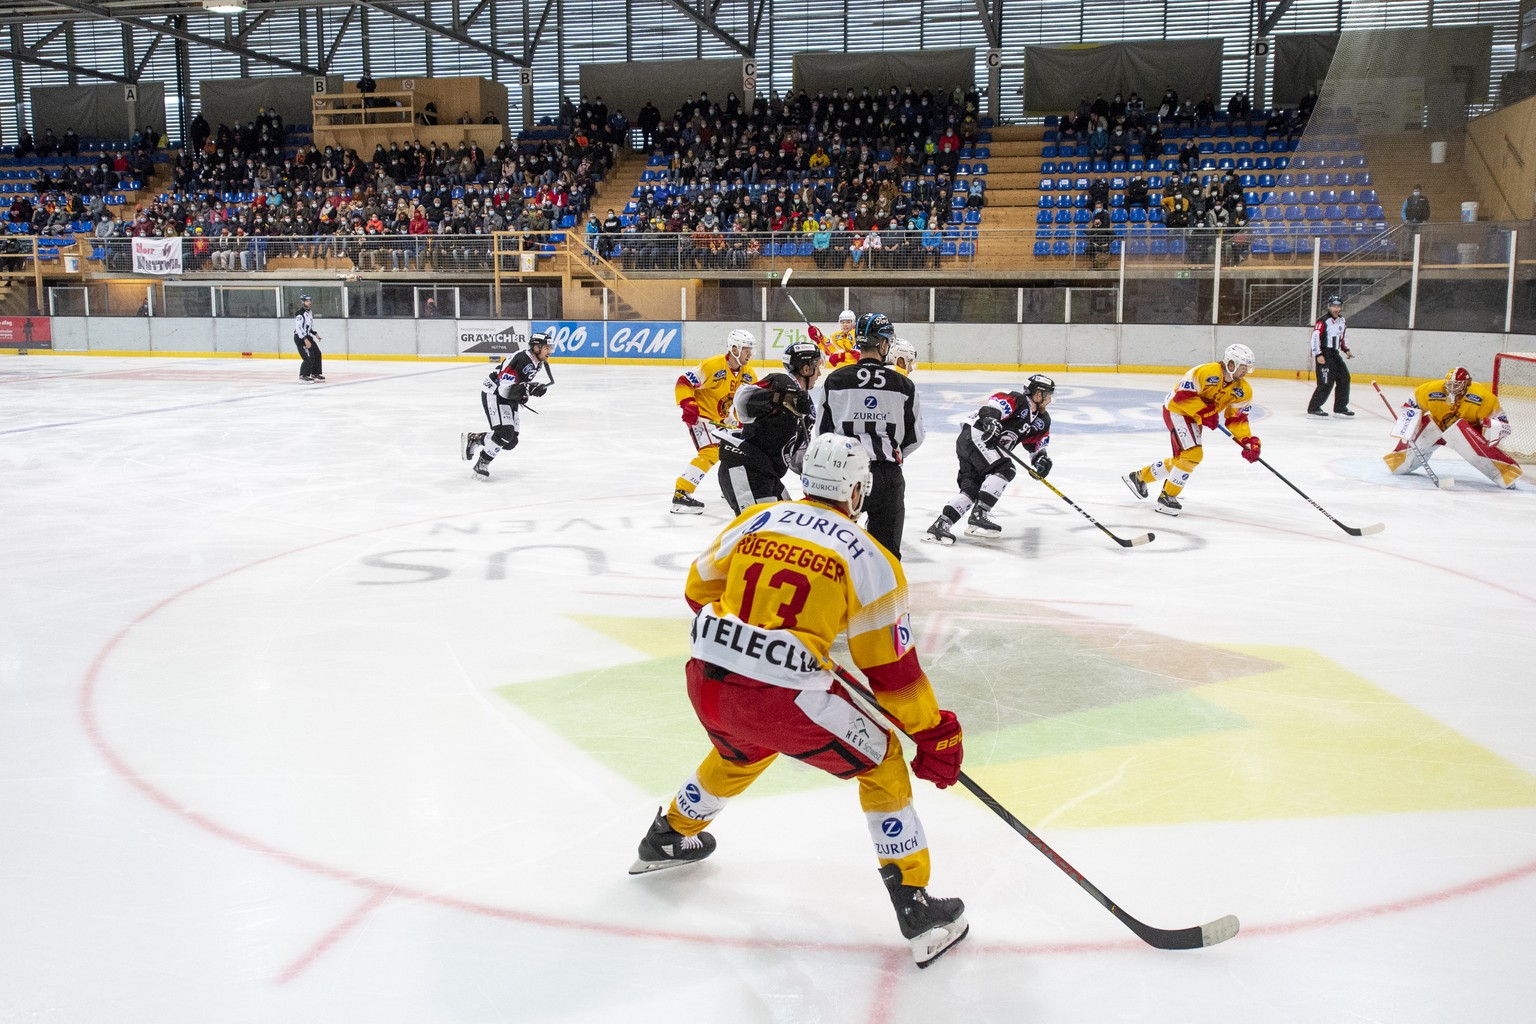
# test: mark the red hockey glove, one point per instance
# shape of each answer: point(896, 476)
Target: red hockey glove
point(939, 751)
point(690, 411)
point(1208, 417)
point(1250, 448)
point(815, 333)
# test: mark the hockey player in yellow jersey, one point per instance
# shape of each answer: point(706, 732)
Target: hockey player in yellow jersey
point(1209, 395)
point(1458, 413)
point(770, 595)
point(704, 394)
point(841, 347)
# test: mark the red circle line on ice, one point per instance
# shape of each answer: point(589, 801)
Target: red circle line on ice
point(380, 891)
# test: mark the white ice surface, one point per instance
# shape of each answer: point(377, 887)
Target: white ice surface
point(261, 756)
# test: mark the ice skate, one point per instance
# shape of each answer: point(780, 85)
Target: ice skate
point(1168, 505)
point(686, 504)
point(981, 524)
point(1134, 481)
point(665, 847)
point(930, 923)
point(482, 466)
point(1343, 412)
point(470, 442)
point(939, 532)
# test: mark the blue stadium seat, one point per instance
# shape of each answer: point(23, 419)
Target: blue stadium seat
point(1042, 248)
point(1368, 196)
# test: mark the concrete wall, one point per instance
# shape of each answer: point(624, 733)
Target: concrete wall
point(1380, 354)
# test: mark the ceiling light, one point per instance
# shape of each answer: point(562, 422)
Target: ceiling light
point(224, 6)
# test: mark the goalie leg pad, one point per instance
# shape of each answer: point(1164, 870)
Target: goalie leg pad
point(1482, 456)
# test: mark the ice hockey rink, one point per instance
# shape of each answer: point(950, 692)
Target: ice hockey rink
point(300, 721)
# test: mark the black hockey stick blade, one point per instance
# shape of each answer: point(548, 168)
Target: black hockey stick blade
point(1353, 531)
point(1195, 937)
point(1219, 930)
point(1131, 542)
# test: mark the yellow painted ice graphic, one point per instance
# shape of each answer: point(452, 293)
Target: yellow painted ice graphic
point(1108, 727)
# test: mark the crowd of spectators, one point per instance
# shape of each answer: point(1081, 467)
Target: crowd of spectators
point(1116, 128)
point(237, 189)
point(74, 195)
point(867, 178)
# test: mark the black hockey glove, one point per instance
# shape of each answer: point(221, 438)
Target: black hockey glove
point(1042, 463)
point(536, 389)
point(990, 427)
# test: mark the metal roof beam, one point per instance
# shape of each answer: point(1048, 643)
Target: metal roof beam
point(446, 33)
point(26, 57)
point(707, 23)
point(106, 14)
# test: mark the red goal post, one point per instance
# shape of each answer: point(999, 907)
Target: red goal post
point(1514, 381)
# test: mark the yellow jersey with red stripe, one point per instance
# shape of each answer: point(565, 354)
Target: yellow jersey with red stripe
point(1205, 390)
point(839, 348)
point(1478, 406)
point(783, 581)
point(713, 385)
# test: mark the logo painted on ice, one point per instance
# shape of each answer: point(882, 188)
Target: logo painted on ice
point(891, 827)
point(870, 401)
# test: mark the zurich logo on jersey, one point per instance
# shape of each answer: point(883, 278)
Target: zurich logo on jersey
point(891, 827)
point(870, 401)
point(758, 523)
point(692, 793)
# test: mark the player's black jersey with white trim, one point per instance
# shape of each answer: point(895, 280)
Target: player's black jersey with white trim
point(511, 376)
point(1020, 425)
point(876, 404)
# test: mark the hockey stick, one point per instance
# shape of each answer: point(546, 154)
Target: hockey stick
point(1139, 539)
point(1363, 531)
point(1196, 937)
point(784, 283)
point(1433, 476)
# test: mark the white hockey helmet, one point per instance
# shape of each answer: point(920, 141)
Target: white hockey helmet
point(903, 354)
point(846, 318)
point(740, 344)
point(834, 465)
point(1235, 356)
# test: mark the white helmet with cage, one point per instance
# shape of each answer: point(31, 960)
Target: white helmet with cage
point(834, 465)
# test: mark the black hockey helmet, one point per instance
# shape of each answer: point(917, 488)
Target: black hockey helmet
point(872, 329)
point(1334, 300)
point(1040, 382)
point(791, 394)
point(800, 354)
point(540, 338)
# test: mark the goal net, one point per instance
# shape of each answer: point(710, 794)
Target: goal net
point(1514, 381)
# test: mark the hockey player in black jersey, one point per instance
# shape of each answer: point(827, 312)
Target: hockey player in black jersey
point(776, 422)
point(878, 405)
point(1009, 419)
point(508, 387)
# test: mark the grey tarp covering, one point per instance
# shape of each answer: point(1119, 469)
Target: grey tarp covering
point(1457, 53)
point(1056, 78)
point(938, 70)
point(97, 111)
point(236, 101)
point(666, 83)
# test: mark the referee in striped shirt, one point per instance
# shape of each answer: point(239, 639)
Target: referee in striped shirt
point(870, 401)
